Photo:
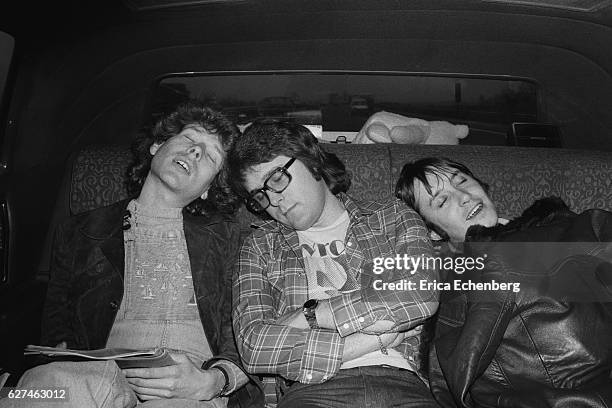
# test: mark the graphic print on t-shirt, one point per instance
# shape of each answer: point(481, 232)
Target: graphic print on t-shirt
point(159, 283)
point(325, 260)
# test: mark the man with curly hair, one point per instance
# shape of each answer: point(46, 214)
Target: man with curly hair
point(153, 271)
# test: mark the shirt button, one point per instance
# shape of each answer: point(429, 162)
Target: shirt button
point(114, 305)
point(309, 376)
point(345, 325)
point(361, 320)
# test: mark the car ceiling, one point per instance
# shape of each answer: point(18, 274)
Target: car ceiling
point(28, 20)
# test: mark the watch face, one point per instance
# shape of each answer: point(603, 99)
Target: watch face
point(311, 303)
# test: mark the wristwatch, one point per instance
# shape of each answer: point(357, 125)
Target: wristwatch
point(309, 313)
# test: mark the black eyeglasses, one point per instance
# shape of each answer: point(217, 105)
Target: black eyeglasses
point(276, 182)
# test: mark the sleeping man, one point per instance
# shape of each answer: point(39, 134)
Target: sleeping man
point(305, 314)
point(151, 271)
point(545, 345)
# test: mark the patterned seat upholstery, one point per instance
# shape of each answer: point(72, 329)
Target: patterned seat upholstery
point(517, 176)
point(98, 177)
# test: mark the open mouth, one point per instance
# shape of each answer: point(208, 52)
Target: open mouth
point(183, 164)
point(475, 211)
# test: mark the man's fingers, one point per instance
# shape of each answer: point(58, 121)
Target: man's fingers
point(157, 390)
point(398, 339)
point(152, 383)
point(151, 393)
point(414, 331)
point(62, 345)
point(154, 372)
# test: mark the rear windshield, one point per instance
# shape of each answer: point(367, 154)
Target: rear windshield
point(338, 103)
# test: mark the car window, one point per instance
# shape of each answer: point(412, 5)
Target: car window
point(340, 102)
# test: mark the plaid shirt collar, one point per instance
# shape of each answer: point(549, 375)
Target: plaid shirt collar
point(356, 213)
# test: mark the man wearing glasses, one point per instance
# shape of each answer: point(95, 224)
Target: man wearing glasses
point(304, 311)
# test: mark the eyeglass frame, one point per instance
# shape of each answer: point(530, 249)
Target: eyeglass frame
point(250, 199)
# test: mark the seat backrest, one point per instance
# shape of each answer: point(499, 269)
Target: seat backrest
point(516, 176)
point(519, 176)
point(98, 177)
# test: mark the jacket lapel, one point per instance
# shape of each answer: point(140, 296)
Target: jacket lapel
point(113, 250)
point(108, 228)
point(197, 248)
point(197, 235)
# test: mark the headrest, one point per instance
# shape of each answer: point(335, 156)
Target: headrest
point(98, 177)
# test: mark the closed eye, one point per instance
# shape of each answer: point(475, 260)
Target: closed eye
point(276, 176)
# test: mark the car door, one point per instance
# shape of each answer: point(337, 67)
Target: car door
point(16, 306)
point(7, 45)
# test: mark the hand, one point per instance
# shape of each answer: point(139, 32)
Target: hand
point(401, 336)
point(394, 339)
point(294, 319)
point(63, 345)
point(391, 339)
point(415, 331)
point(181, 380)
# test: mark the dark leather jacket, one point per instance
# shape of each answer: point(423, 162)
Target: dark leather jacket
point(549, 345)
point(86, 283)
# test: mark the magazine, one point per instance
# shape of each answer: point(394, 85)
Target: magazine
point(125, 358)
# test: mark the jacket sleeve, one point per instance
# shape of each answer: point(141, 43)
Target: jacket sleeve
point(57, 310)
point(227, 346)
point(228, 358)
point(538, 395)
point(307, 356)
point(355, 311)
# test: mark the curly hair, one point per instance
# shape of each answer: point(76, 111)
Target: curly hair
point(266, 139)
point(419, 170)
point(220, 196)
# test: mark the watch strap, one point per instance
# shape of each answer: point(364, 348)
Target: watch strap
point(310, 314)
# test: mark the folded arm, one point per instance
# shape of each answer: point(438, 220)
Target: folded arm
point(267, 347)
point(356, 311)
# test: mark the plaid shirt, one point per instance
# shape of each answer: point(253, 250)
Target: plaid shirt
point(270, 280)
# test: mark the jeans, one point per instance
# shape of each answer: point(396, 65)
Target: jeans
point(98, 384)
point(362, 387)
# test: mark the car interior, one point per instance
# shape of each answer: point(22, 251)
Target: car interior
point(532, 79)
